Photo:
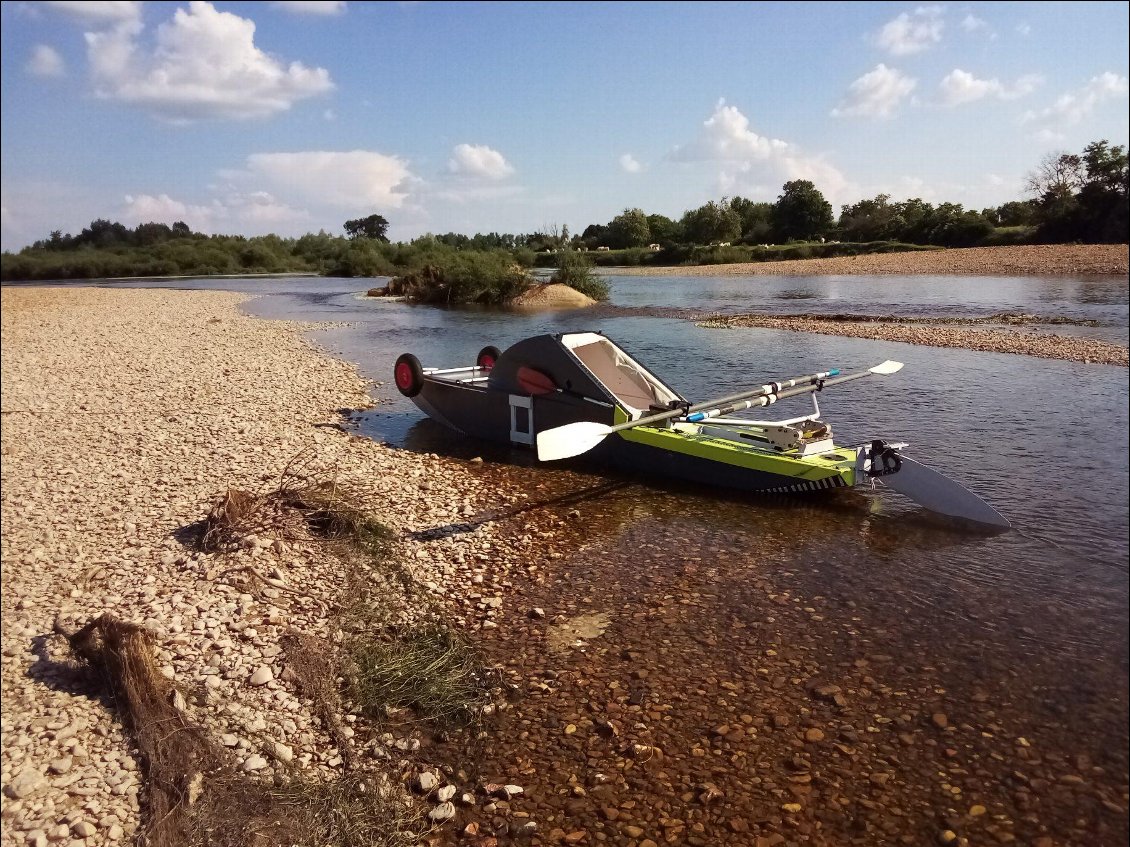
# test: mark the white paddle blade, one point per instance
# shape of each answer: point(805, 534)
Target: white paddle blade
point(570, 440)
point(888, 367)
point(938, 493)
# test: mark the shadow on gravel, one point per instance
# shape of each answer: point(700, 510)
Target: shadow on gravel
point(567, 499)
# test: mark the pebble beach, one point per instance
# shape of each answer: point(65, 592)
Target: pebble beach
point(1028, 260)
point(127, 415)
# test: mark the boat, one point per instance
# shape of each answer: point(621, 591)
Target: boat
point(574, 393)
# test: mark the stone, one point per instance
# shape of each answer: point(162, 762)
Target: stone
point(254, 763)
point(939, 720)
point(813, 735)
point(83, 829)
point(446, 793)
point(262, 676)
point(442, 812)
point(282, 752)
point(426, 781)
point(28, 782)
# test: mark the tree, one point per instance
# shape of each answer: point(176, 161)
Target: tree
point(1103, 196)
point(714, 222)
point(629, 229)
point(1013, 213)
point(801, 212)
point(757, 227)
point(663, 229)
point(1084, 197)
point(595, 235)
point(373, 226)
point(871, 220)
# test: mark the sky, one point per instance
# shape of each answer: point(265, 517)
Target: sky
point(293, 117)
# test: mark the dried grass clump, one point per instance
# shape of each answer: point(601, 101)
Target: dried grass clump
point(175, 756)
point(355, 810)
point(303, 501)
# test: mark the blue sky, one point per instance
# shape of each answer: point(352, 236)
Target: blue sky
point(514, 117)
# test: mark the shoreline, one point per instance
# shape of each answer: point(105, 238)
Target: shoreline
point(1020, 341)
point(106, 471)
point(1027, 260)
point(129, 413)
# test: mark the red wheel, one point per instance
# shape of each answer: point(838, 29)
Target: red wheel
point(487, 357)
point(409, 375)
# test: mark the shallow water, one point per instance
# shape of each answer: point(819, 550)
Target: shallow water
point(1025, 631)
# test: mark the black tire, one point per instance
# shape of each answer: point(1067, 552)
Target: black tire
point(487, 357)
point(408, 375)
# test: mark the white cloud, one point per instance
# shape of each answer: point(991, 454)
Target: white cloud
point(629, 164)
point(1023, 30)
point(249, 213)
point(726, 137)
point(357, 179)
point(876, 94)
point(912, 33)
point(205, 65)
point(45, 61)
point(478, 161)
point(972, 23)
point(329, 115)
point(311, 7)
point(145, 208)
point(750, 161)
point(98, 12)
point(1071, 108)
point(960, 87)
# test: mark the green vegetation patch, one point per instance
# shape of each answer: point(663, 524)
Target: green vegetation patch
point(461, 277)
point(432, 672)
point(575, 270)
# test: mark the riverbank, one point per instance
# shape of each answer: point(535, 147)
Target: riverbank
point(1029, 260)
point(678, 668)
point(127, 415)
point(1024, 341)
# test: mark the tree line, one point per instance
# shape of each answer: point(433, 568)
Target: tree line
point(1073, 197)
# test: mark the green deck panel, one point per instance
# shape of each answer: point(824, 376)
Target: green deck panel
point(725, 451)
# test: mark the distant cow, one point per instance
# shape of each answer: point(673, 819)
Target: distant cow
point(602, 249)
point(654, 247)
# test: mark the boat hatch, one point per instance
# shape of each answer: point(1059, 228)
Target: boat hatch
point(521, 419)
point(631, 383)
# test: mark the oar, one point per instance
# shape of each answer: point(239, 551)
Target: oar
point(574, 439)
point(888, 367)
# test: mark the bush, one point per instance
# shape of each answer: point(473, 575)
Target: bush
point(457, 277)
point(576, 271)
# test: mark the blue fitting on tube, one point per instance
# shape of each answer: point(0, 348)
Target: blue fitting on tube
point(834, 372)
point(696, 417)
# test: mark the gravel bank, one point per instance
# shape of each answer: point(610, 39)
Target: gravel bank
point(126, 415)
point(1014, 340)
point(1036, 260)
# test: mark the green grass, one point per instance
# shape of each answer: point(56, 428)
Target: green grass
point(432, 672)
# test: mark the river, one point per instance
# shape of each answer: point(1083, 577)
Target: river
point(845, 670)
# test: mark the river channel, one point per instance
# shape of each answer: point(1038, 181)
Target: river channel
point(845, 670)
